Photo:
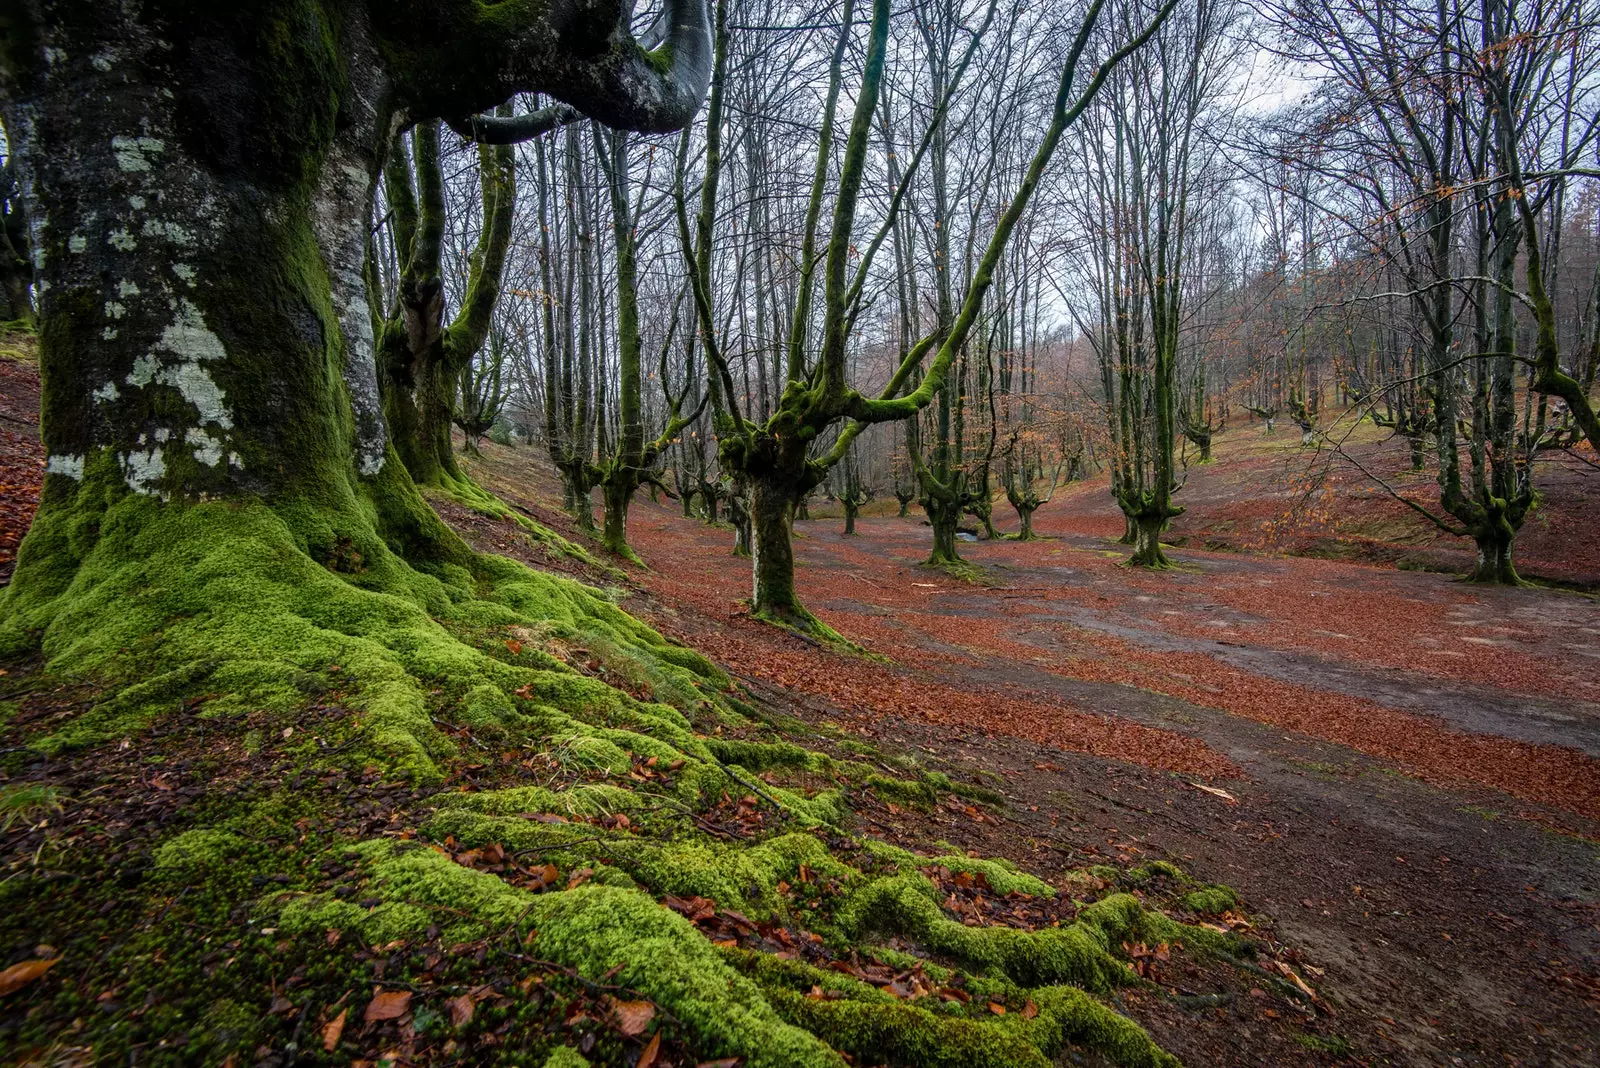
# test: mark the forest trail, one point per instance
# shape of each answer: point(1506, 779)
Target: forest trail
point(1401, 770)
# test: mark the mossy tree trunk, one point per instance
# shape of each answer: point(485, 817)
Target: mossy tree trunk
point(772, 554)
point(1495, 537)
point(631, 462)
point(1025, 518)
point(1147, 550)
point(207, 349)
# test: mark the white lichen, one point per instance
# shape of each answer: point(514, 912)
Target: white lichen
point(77, 243)
point(71, 466)
point(122, 240)
point(131, 152)
point(107, 392)
point(173, 232)
point(143, 470)
point(207, 449)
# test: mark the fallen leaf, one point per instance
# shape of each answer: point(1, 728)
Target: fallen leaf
point(1030, 1010)
point(633, 1016)
point(388, 1005)
point(20, 975)
point(997, 1008)
point(460, 1010)
point(652, 1052)
point(514, 645)
point(334, 1030)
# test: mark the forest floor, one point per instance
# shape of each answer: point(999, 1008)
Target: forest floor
point(1398, 771)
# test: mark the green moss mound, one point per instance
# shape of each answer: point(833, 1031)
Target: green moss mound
point(252, 607)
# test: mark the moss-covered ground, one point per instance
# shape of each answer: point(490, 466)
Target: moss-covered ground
point(271, 795)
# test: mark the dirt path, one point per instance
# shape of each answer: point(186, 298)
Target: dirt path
point(1410, 763)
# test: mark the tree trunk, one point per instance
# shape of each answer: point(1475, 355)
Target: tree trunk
point(850, 510)
point(739, 516)
point(944, 517)
point(1418, 452)
point(616, 495)
point(1495, 538)
point(771, 509)
point(210, 404)
point(1025, 515)
point(1130, 530)
point(1147, 544)
point(905, 506)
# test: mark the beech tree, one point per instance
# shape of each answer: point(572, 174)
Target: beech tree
point(200, 180)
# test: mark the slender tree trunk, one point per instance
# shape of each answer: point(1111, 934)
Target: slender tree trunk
point(850, 510)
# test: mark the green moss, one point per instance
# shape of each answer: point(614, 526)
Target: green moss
point(759, 756)
point(874, 1027)
point(1210, 900)
point(901, 791)
point(565, 1057)
point(907, 905)
point(1333, 1045)
point(1155, 869)
point(486, 705)
point(1002, 875)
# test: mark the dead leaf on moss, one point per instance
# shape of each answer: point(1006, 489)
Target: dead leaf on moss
point(20, 975)
point(334, 1031)
point(388, 1005)
point(633, 1016)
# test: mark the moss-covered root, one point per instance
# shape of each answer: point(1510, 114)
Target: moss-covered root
point(600, 931)
point(256, 607)
point(1078, 955)
point(874, 1027)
